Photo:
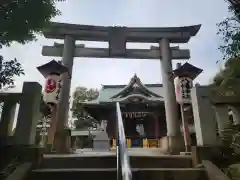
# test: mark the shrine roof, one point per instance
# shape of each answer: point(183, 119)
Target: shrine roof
point(187, 70)
point(114, 93)
point(52, 67)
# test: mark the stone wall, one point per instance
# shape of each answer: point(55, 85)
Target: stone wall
point(212, 114)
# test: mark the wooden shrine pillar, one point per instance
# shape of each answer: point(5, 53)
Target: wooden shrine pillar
point(156, 122)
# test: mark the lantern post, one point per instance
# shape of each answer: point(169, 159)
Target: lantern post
point(52, 72)
point(184, 76)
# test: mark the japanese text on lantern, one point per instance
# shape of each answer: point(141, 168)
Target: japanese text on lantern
point(183, 89)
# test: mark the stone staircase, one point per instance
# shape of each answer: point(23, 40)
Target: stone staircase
point(104, 167)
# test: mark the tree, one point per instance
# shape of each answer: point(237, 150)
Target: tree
point(8, 70)
point(80, 95)
point(235, 5)
point(21, 21)
point(229, 30)
point(231, 71)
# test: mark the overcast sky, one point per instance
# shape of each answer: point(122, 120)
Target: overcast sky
point(141, 13)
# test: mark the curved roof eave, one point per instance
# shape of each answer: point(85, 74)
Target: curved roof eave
point(100, 33)
point(136, 95)
point(54, 26)
point(124, 89)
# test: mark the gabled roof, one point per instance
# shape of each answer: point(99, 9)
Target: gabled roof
point(135, 89)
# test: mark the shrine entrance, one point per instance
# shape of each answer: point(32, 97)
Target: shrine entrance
point(135, 124)
point(117, 38)
point(142, 122)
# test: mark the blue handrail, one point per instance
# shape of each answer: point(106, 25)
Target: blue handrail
point(123, 164)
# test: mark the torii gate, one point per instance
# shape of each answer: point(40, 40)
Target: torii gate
point(117, 37)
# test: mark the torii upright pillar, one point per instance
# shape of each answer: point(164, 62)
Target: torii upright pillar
point(174, 138)
point(62, 133)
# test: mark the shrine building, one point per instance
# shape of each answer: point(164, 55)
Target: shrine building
point(142, 107)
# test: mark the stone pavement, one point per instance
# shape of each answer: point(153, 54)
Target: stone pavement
point(131, 152)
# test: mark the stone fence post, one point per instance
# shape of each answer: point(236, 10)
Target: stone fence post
point(7, 118)
point(28, 114)
point(204, 117)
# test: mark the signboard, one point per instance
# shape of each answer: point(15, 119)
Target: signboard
point(132, 115)
point(52, 89)
point(183, 89)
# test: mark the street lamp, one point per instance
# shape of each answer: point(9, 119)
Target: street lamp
point(52, 72)
point(184, 76)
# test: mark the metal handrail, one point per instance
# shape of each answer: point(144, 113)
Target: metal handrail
point(123, 164)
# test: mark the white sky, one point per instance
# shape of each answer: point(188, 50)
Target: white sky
point(92, 72)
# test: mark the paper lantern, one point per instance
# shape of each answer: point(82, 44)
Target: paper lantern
point(52, 89)
point(52, 71)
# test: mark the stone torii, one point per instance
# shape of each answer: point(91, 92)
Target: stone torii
point(117, 37)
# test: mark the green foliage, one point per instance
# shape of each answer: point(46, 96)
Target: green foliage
point(235, 7)
point(85, 122)
point(8, 70)
point(233, 171)
point(21, 20)
point(80, 95)
point(229, 30)
point(231, 71)
point(218, 79)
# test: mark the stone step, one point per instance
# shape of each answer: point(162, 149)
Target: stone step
point(111, 161)
point(111, 174)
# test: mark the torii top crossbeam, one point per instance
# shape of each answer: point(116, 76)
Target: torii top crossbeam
point(128, 34)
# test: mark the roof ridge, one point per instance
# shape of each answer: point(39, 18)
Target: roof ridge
point(124, 85)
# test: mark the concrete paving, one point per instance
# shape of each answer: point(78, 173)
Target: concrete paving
point(114, 169)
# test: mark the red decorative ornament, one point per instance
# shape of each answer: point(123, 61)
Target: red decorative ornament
point(50, 86)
